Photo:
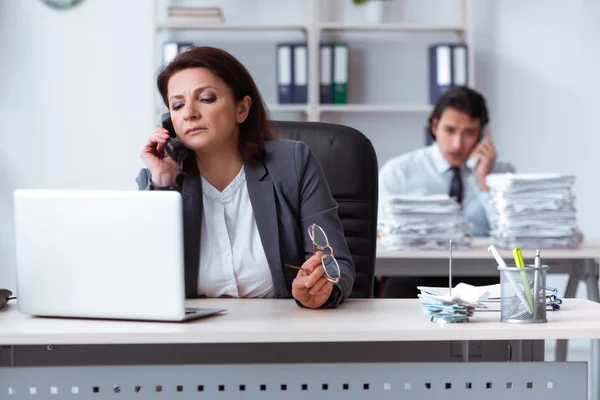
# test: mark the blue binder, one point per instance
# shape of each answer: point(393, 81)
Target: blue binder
point(172, 48)
point(460, 65)
point(326, 75)
point(448, 67)
point(440, 70)
point(300, 73)
point(285, 73)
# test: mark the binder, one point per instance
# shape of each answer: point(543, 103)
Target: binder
point(284, 73)
point(460, 76)
point(440, 70)
point(184, 46)
point(300, 73)
point(448, 67)
point(171, 48)
point(326, 75)
point(340, 73)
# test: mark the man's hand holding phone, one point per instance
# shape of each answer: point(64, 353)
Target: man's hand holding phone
point(486, 153)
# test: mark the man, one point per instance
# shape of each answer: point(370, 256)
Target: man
point(457, 126)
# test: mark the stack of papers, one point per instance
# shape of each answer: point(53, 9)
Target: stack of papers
point(421, 222)
point(486, 298)
point(443, 306)
point(534, 211)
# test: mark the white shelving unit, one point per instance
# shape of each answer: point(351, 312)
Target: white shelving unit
point(313, 30)
point(400, 108)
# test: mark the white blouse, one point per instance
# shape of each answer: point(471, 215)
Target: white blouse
point(232, 259)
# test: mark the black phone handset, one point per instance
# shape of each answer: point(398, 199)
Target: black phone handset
point(174, 147)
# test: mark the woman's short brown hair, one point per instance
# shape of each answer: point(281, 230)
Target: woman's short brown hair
point(255, 128)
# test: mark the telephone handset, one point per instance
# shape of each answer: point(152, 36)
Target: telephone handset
point(473, 161)
point(174, 147)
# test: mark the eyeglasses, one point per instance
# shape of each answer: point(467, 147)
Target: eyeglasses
point(321, 243)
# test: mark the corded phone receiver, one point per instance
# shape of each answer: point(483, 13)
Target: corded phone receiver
point(174, 147)
point(5, 295)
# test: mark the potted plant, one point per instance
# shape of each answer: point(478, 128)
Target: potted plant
point(375, 10)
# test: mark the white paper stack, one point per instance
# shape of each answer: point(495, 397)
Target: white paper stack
point(534, 211)
point(421, 222)
point(483, 298)
point(457, 306)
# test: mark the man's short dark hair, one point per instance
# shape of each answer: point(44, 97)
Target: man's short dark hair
point(463, 99)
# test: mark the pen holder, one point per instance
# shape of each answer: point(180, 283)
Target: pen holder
point(523, 294)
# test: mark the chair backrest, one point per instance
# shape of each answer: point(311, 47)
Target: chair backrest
point(349, 162)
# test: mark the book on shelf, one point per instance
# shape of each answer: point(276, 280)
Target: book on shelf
point(195, 15)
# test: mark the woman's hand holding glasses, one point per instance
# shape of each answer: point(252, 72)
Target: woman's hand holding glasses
point(311, 287)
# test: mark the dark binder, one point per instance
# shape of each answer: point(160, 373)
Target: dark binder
point(440, 70)
point(285, 73)
point(326, 74)
point(300, 73)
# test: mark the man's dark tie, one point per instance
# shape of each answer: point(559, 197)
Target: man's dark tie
point(456, 186)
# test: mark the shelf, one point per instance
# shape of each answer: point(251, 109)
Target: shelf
point(287, 107)
point(229, 27)
point(340, 26)
point(408, 108)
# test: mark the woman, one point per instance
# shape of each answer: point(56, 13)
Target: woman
point(249, 200)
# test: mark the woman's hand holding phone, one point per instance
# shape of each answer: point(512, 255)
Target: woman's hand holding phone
point(162, 167)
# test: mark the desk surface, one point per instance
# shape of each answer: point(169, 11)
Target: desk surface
point(590, 249)
point(277, 321)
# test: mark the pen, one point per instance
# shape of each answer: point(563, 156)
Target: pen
point(537, 264)
point(450, 270)
point(510, 277)
point(520, 263)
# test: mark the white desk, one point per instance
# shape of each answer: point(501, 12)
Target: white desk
point(478, 261)
point(582, 266)
point(590, 249)
point(250, 322)
point(282, 321)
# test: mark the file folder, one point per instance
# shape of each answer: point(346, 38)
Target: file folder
point(326, 75)
point(340, 73)
point(460, 76)
point(440, 70)
point(284, 73)
point(300, 74)
point(171, 48)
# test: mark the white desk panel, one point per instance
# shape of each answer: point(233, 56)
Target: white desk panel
point(282, 321)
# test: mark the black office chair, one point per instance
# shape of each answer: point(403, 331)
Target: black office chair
point(349, 162)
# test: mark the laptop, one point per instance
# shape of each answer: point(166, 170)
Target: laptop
point(101, 254)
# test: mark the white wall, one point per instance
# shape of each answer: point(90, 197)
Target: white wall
point(537, 65)
point(75, 100)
